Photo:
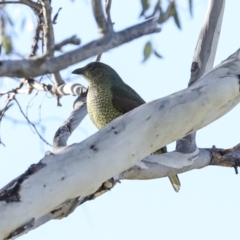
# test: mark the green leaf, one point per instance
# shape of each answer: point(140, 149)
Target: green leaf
point(170, 12)
point(175, 15)
point(164, 16)
point(156, 9)
point(147, 51)
point(190, 7)
point(7, 44)
point(157, 54)
point(145, 6)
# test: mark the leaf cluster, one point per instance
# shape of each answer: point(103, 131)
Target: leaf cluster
point(157, 9)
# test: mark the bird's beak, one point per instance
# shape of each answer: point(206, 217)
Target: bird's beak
point(78, 71)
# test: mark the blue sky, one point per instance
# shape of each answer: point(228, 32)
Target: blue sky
point(207, 205)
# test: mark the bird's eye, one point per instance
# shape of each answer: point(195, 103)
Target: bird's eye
point(91, 68)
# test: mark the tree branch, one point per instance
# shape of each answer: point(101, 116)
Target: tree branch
point(36, 38)
point(40, 66)
point(79, 170)
point(108, 4)
point(48, 28)
point(155, 166)
point(72, 40)
point(49, 38)
point(75, 118)
point(203, 58)
point(110, 25)
point(206, 47)
point(103, 26)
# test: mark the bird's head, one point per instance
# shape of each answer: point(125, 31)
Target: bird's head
point(98, 73)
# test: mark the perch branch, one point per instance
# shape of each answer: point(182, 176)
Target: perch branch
point(75, 173)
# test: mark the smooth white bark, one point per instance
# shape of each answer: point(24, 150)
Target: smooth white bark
point(203, 58)
point(206, 47)
point(172, 163)
point(81, 168)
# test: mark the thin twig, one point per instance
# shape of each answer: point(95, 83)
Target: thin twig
point(40, 107)
point(36, 37)
point(1, 143)
point(49, 38)
point(98, 57)
point(30, 101)
point(15, 90)
point(72, 40)
point(30, 123)
point(8, 104)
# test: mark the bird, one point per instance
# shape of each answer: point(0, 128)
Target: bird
point(109, 97)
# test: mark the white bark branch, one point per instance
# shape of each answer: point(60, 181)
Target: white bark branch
point(206, 47)
point(173, 163)
point(155, 166)
point(80, 169)
point(40, 66)
point(75, 118)
point(203, 58)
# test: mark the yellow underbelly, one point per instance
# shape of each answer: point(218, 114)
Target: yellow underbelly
point(101, 109)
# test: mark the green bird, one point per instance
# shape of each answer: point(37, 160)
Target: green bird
point(109, 97)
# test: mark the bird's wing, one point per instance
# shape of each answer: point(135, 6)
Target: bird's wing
point(125, 98)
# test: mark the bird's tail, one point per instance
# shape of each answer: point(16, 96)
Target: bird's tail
point(174, 178)
point(175, 182)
